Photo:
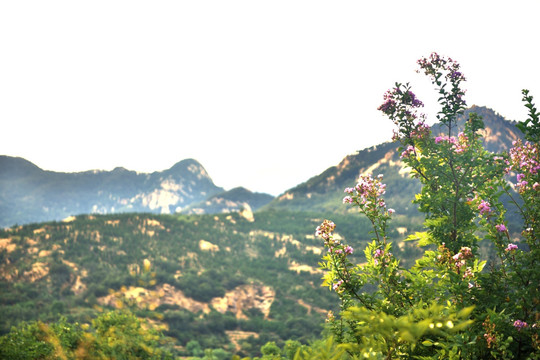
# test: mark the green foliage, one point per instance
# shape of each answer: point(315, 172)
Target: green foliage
point(114, 335)
point(434, 309)
point(531, 126)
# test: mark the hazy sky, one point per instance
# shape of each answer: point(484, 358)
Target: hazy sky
point(265, 94)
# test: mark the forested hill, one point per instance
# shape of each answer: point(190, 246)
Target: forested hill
point(325, 191)
point(227, 280)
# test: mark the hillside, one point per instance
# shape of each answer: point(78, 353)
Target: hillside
point(235, 200)
point(213, 277)
point(227, 280)
point(325, 191)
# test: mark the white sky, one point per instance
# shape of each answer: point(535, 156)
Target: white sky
point(265, 94)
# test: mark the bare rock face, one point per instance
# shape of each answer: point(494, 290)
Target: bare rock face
point(246, 297)
point(241, 298)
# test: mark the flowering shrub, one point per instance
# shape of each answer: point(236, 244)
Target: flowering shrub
point(449, 304)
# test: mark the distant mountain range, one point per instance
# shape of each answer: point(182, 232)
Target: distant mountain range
point(29, 194)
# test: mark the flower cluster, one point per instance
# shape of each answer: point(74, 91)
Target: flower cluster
point(449, 66)
point(382, 257)
point(525, 160)
point(325, 231)
point(421, 131)
point(484, 207)
point(459, 143)
point(501, 228)
point(408, 152)
point(367, 194)
point(397, 97)
point(518, 324)
point(490, 335)
point(511, 247)
point(461, 257)
point(338, 286)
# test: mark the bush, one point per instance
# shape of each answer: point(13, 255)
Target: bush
point(449, 304)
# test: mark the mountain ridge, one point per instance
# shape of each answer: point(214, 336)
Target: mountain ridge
point(324, 191)
point(31, 194)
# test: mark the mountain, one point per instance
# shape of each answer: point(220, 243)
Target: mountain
point(225, 275)
point(235, 200)
point(226, 280)
point(324, 192)
point(29, 194)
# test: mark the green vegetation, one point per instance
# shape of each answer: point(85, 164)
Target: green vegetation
point(464, 285)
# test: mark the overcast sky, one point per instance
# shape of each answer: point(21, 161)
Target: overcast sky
point(265, 94)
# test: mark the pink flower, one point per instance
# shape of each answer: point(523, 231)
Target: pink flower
point(511, 247)
point(391, 211)
point(347, 200)
point(438, 139)
point(348, 250)
point(500, 228)
point(518, 324)
point(484, 207)
point(378, 253)
point(336, 286)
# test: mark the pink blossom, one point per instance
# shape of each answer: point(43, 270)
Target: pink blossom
point(500, 228)
point(336, 286)
point(378, 253)
point(347, 200)
point(348, 250)
point(484, 207)
point(518, 324)
point(511, 247)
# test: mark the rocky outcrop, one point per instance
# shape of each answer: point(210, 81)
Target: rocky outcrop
point(237, 300)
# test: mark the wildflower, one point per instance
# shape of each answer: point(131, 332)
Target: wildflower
point(438, 139)
point(347, 200)
point(325, 229)
point(511, 247)
point(518, 324)
point(391, 211)
point(337, 286)
point(500, 228)
point(330, 316)
point(348, 250)
point(349, 190)
point(484, 207)
point(407, 152)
